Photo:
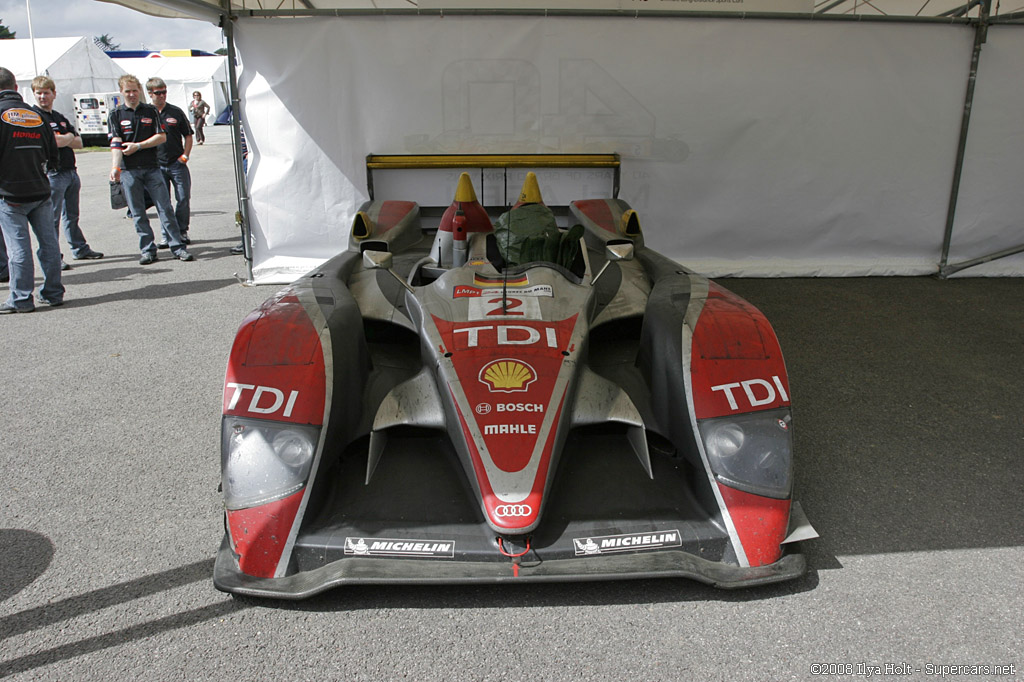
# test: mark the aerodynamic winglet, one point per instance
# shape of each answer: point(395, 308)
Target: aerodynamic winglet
point(411, 403)
point(599, 401)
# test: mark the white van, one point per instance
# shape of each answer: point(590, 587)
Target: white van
point(91, 111)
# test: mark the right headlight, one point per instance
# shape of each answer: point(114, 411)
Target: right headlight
point(752, 452)
point(264, 461)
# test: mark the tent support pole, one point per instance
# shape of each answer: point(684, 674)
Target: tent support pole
point(242, 215)
point(980, 35)
point(948, 270)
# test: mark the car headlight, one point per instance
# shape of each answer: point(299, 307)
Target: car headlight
point(264, 461)
point(752, 452)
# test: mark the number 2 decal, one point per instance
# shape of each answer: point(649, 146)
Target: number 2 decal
point(484, 307)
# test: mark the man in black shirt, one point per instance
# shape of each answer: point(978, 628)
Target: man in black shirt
point(135, 132)
point(65, 184)
point(173, 154)
point(26, 147)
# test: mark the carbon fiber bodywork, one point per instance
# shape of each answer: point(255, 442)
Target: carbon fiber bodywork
point(481, 423)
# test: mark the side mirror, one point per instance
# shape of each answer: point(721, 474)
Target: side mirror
point(382, 260)
point(619, 249)
point(377, 260)
point(615, 250)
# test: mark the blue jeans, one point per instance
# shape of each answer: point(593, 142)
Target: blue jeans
point(135, 183)
point(15, 219)
point(65, 186)
point(178, 176)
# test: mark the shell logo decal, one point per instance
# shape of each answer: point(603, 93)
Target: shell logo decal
point(507, 376)
point(23, 118)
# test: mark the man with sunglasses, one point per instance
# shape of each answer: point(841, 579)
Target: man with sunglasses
point(135, 132)
point(173, 155)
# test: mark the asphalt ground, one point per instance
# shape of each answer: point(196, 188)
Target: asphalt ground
point(909, 426)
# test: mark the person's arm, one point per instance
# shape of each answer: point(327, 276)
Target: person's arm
point(117, 157)
point(154, 141)
point(187, 149)
point(67, 140)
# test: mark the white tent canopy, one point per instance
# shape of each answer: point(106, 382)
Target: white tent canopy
point(75, 64)
point(184, 75)
point(750, 146)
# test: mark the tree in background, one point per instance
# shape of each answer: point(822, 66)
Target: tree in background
point(106, 43)
point(5, 33)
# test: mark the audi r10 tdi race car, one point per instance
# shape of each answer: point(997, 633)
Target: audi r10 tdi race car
point(504, 395)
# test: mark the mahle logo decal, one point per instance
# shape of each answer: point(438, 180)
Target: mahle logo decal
point(507, 376)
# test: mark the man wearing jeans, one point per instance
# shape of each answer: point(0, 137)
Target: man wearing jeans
point(65, 184)
point(26, 147)
point(172, 155)
point(135, 132)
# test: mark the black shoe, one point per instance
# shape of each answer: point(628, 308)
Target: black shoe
point(184, 255)
point(163, 244)
point(6, 309)
point(185, 239)
point(238, 248)
point(89, 255)
point(64, 266)
point(148, 258)
point(52, 304)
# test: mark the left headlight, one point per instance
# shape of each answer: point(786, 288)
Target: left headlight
point(752, 452)
point(264, 461)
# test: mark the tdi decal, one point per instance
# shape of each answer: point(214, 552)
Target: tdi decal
point(507, 335)
point(254, 404)
point(608, 544)
point(444, 549)
point(757, 391)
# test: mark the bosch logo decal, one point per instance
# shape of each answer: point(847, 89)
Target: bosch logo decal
point(757, 392)
point(519, 407)
point(482, 408)
point(276, 399)
point(513, 510)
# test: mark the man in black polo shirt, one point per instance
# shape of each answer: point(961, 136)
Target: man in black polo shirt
point(173, 154)
point(65, 185)
point(26, 146)
point(135, 132)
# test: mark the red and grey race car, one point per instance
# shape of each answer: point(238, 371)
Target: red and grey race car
point(500, 396)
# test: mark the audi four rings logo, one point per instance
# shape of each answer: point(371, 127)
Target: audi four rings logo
point(504, 510)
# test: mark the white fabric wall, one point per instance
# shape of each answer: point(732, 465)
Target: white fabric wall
point(990, 211)
point(757, 148)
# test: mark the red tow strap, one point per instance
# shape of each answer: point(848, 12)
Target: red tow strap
point(514, 557)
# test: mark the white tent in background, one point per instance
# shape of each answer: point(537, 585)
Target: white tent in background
point(184, 75)
point(75, 64)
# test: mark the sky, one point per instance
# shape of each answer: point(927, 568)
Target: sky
point(90, 18)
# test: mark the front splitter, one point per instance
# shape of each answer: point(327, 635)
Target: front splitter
point(376, 571)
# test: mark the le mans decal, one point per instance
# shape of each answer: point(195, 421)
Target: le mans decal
point(23, 118)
